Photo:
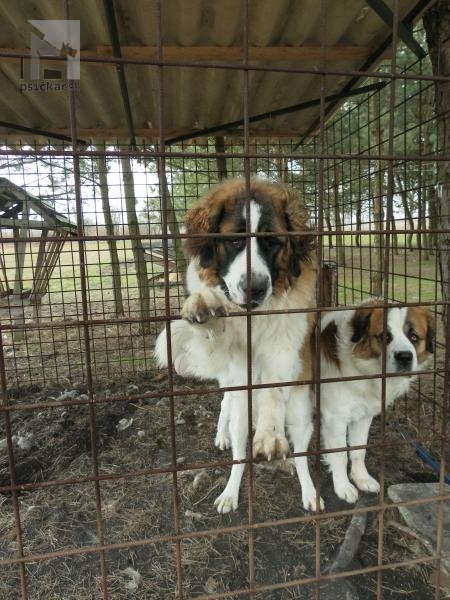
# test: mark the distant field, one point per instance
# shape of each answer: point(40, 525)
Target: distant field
point(119, 348)
point(410, 278)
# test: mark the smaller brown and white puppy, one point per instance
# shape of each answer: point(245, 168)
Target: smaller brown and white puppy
point(352, 345)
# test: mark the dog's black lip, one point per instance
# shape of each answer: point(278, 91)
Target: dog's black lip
point(226, 291)
point(252, 305)
point(404, 370)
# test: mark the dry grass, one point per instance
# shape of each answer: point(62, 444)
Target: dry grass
point(139, 508)
point(46, 362)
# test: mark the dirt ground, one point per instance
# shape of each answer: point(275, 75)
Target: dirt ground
point(134, 434)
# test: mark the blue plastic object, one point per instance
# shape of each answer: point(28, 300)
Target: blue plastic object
point(421, 452)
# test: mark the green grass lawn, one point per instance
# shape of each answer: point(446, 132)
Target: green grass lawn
point(50, 354)
point(411, 278)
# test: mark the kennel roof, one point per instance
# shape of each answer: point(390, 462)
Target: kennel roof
point(202, 44)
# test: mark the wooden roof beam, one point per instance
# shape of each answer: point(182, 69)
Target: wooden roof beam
point(217, 54)
point(110, 135)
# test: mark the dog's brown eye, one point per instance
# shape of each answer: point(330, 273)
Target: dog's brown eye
point(387, 336)
point(270, 243)
point(238, 243)
point(273, 241)
point(413, 337)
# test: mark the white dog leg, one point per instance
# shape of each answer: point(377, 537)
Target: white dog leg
point(358, 433)
point(270, 439)
point(299, 426)
point(238, 425)
point(334, 436)
point(222, 440)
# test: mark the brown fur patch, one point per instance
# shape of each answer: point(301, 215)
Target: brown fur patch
point(215, 213)
point(420, 319)
point(367, 324)
point(209, 276)
point(307, 351)
point(328, 344)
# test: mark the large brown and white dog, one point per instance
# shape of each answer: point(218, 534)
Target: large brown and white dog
point(283, 273)
point(352, 345)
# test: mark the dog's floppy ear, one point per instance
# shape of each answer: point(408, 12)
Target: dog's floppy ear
point(203, 218)
point(360, 323)
point(430, 337)
point(297, 221)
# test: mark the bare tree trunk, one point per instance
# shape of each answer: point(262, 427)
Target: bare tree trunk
point(420, 209)
point(407, 211)
point(283, 171)
point(174, 228)
point(378, 213)
point(110, 230)
point(136, 244)
point(253, 162)
point(430, 193)
point(329, 226)
point(358, 223)
point(437, 28)
point(340, 249)
point(394, 235)
point(222, 172)
point(423, 227)
point(433, 218)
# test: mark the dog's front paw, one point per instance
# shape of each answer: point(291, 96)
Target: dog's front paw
point(226, 502)
point(366, 483)
point(222, 440)
point(309, 500)
point(346, 491)
point(270, 444)
point(201, 307)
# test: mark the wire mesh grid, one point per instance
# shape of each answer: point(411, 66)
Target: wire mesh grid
point(108, 468)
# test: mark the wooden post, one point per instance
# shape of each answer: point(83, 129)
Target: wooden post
point(329, 283)
point(48, 255)
point(222, 172)
point(16, 301)
point(4, 283)
point(35, 298)
point(20, 247)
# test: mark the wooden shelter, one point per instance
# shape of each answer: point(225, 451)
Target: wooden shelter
point(22, 213)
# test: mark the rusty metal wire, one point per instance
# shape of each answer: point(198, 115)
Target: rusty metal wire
point(350, 162)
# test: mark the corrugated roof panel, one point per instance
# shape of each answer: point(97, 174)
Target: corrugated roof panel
point(194, 98)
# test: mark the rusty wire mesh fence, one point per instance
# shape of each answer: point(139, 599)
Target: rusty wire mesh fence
point(108, 471)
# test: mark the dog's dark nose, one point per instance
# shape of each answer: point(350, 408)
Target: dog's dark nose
point(258, 287)
point(404, 359)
